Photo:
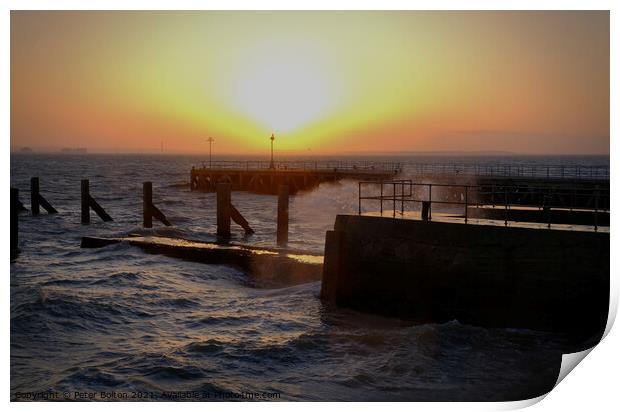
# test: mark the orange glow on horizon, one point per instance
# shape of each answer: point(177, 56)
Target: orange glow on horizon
point(323, 82)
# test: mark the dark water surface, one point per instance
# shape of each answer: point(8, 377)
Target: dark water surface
point(119, 320)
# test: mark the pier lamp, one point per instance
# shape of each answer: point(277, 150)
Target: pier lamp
point(210, 140)
point(271, 164)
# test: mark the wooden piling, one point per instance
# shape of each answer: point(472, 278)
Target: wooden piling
point(88, 202)
point(240, 220)
point(99, 210)
point(14, 218)
point(282, 229)
point(147, 201)
point(155, 212)
point(36, 200)
point(85, 189)
point(149, 210)
point(223, 209)
point(45, 204)
point(34, 196)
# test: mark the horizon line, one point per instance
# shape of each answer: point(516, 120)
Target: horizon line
point(300, 154)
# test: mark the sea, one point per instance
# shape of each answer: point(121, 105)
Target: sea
point(117, 323)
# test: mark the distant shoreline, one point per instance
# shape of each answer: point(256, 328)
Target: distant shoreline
point(300, 155)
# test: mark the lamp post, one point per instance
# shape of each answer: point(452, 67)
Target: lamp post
point(271, 164)
point(210, 140)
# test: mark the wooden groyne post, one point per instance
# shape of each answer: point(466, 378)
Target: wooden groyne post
point(89, 203)
point(14, 219)
point(282, 228)
point(227, 212)
point(149, 210)
point(223, 209)
point(37, 200)
point(34, 195)
point(238, 218)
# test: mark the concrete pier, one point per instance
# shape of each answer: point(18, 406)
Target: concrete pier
point(265, 267)
point(555, 216)
point(491, 276)
point(260, 177)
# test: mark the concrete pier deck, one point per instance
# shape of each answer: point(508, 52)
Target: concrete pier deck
point(261, 177)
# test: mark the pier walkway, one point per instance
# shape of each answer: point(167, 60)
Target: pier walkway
point(264, 177)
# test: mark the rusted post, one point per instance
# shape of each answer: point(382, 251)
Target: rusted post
point(147, 201)
point(34, 196)
point(282, 229)
point(223, 209)
point(85, 189)
point(14, 219)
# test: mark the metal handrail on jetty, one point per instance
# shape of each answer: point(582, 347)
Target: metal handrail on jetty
point(513, 170)
point(543, 198)
point(304, 165)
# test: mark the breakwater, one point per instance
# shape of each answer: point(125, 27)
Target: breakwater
point(491, 276)
point(265, 267)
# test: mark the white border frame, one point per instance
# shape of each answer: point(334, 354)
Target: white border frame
point(592, 385)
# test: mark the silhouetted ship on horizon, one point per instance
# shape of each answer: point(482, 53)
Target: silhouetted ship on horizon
point(74, 150)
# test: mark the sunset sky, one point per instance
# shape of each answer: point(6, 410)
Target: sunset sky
point(323, 82)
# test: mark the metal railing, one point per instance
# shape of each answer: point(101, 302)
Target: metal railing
point(402, 192)
point(512, 170)
point(307, 165)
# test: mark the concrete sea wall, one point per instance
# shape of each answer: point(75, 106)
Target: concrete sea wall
point(490, 276)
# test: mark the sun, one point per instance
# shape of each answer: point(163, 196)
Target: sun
point(283, 85)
